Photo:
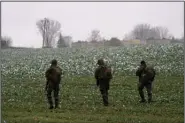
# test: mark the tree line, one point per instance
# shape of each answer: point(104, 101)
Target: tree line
point(50, 30)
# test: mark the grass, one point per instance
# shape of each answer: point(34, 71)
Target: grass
point(24, 101)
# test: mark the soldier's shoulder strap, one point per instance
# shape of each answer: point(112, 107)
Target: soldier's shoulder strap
point(58, 69)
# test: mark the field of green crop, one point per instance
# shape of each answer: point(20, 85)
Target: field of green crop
point(23, 82)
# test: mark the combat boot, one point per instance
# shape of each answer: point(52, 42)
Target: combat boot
point(142, 101)
point(149, 97)
point(51, 107)
point(56, 103)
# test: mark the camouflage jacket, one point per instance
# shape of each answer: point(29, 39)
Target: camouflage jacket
point(53, 74)
point(146, 74)
point(103, 72)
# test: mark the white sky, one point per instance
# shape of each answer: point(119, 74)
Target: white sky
point(113, 19)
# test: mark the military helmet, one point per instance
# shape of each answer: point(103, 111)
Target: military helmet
point(100, 62)
point(54, 62)
point(143, 62)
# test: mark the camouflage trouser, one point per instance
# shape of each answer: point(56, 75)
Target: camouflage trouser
point(104, 93)
point(148, 87)
point(104, 87)
point(50, 89)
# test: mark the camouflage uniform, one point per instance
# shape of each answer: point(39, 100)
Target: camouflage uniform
point(53, 76)
point(103, 76)
point(146, 77)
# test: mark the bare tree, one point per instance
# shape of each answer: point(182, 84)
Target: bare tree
point(163, 32)
point(95, 36)
point(49, 30)
point(145, 31)
point(6, 42)
point(153, 33)
point(141, 31)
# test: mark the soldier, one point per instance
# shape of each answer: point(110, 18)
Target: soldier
point(146, 77)
point(103, 75)
point(53, 76)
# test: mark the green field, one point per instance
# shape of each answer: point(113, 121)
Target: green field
point(23, 82)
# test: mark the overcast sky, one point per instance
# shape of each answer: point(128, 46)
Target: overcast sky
point(113, 19)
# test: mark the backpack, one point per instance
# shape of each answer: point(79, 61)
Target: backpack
point(53, 74)
point(105, 73)
point(152, 73)
point(149, 74)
